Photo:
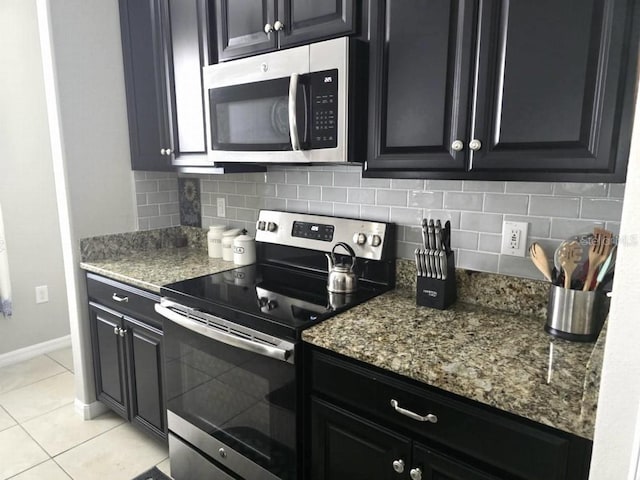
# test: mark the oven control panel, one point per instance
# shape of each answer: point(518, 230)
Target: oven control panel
point(368, 239)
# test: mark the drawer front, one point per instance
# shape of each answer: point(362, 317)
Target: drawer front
point(514, 447)
point(124, 298)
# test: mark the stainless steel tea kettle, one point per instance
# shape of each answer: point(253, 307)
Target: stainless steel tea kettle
point(342, 278)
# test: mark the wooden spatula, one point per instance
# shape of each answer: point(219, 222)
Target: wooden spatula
point(539, 259)
point(598, 253)
point(570, 256)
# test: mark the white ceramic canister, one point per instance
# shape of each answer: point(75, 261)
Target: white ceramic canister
point(227, 243)
point(214, 240)
point(244, 250)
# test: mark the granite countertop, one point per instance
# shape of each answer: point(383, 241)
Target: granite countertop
point(498, 358)
point(152, 269)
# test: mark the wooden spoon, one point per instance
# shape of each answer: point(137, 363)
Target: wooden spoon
point(570, 255)
point(539, 259)
point(598, 253)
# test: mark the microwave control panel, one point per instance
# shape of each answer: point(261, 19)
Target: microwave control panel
point(323, 88)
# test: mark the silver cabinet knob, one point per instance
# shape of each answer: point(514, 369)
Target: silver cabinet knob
point(115, 330)
point(475, 144)
point(268, 28)
point(278, 25)
point(222, 453)
point(163, 151)
point(359, 238)
point(398, 466)
point(415, 474)
point(168, 151)
point(457, 146)
point(123, 332)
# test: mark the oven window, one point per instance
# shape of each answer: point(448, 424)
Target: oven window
point(251, 117)
point(241, 398)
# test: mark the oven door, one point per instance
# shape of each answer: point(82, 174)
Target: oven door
point(231, 394)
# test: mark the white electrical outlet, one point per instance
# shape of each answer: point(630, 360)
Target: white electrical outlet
point(514, 238)
point(42, 294)
point(222, 211)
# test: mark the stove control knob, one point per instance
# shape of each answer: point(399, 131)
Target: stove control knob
point(375, 240)
point(272, 227)
point(261, 225)
point(272, 304)
point(359, 238)
point(263, 301)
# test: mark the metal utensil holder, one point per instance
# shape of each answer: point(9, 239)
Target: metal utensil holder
point(434, 293)
point(576, 315)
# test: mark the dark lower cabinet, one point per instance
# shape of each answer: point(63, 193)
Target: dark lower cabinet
point(127, 355)
point(344, 445)
point(502, 90)
point(365, 423)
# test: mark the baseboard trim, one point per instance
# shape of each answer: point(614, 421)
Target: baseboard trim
point(26, 353)
point(89, 411)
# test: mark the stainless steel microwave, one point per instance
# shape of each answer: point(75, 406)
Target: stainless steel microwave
point(289, 106)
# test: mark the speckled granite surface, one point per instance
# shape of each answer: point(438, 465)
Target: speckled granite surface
point(500, 358)
point(152, 258)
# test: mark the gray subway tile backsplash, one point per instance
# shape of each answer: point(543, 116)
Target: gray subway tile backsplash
point(476, 210)
point(554, 206)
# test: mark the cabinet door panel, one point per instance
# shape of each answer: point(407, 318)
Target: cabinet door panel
point(313, 20)
point(548, 80)
point(144, 353)
point(435, 466)
point(189, 54)
point(240, 27)
point(145, 81)
point(346, 446)
point(108, 359)
point(419, 90)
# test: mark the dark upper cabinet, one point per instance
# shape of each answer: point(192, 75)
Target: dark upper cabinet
point(165, 45)
point(250, 27)
point(502, 90)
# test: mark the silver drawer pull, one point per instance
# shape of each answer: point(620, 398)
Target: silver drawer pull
point(119, 299)
point(430, 417)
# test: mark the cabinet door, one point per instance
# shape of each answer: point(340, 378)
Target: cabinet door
point(108, 359)
point(240, 26)
point(434, 466)
point(145, 82)
point(346, 446)
point(307, 21)
point(146, 384)
point(189, 52)
point(550, 88)
point(420, 61)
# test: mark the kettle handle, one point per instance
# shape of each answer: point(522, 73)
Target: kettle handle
point(348, 248)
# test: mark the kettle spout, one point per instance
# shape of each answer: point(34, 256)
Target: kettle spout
point(329, 262)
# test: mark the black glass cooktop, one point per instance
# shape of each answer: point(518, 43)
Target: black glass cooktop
point(276, 300)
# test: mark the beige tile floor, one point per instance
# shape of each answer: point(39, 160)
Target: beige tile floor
point(42, 437)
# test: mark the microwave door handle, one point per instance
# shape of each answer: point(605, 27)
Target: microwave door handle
point(293, 120)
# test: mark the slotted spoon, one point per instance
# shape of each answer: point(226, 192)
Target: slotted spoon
point(598, 253)
point(570, 256)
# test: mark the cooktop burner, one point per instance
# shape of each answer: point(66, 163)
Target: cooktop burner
point(268, 297)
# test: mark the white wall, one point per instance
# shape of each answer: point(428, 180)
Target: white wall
point(615, 451)
point(82, 58)
point(27, 189)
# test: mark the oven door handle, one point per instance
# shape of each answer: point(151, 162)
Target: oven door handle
point(293, 108)
point(282, 354)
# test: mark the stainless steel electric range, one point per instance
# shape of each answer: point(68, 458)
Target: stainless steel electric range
point(232, 344)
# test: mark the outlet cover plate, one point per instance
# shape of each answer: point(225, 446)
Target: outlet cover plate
point(514, 238)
